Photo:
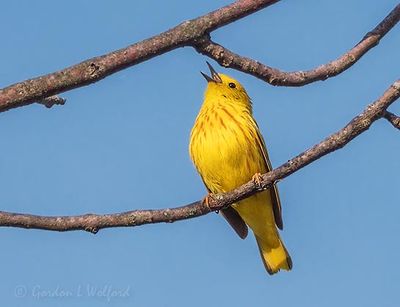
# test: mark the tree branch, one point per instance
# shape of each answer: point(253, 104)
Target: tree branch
point(94, 222)
point(393, 119)
point(194, 33)
point(274, 76)
point(97, 68)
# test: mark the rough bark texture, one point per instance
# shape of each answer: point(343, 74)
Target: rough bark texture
point(94, 222)
point(274, 76)
point(97, 68)
point(196, 33)
point(393, 119)
point(193, 33)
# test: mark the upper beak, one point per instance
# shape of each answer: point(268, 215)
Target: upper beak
point(214, 75)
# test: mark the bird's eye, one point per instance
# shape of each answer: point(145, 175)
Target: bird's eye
point(232, 85)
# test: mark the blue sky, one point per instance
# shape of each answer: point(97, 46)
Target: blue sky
point(121, 144)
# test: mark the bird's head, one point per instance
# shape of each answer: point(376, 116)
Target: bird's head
point(222, 87)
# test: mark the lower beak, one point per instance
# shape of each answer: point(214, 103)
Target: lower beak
point(214, 75)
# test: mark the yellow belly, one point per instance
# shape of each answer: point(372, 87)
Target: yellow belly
point(226, 157)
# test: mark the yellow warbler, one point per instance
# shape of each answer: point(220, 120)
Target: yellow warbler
point(227, 148)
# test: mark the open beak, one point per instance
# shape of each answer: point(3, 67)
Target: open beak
point(214, 75)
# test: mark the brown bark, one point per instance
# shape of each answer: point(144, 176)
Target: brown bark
point(193, 33)
point(393, 119)
point(97, 68)
point(94, 222)
point(277, 77)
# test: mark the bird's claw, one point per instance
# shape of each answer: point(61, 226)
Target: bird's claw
point(207, 201)
point(257, 179)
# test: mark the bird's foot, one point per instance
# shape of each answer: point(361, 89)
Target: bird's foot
point(257, 179)
point(207, 201)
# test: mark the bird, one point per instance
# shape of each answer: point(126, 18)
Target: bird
point(228, 150)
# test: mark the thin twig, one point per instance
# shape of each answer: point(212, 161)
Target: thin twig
point(274, 76)
point(94, 222)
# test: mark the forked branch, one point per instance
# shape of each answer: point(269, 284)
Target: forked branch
point(95, 69)
point(274, 76)
point(193, 33)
